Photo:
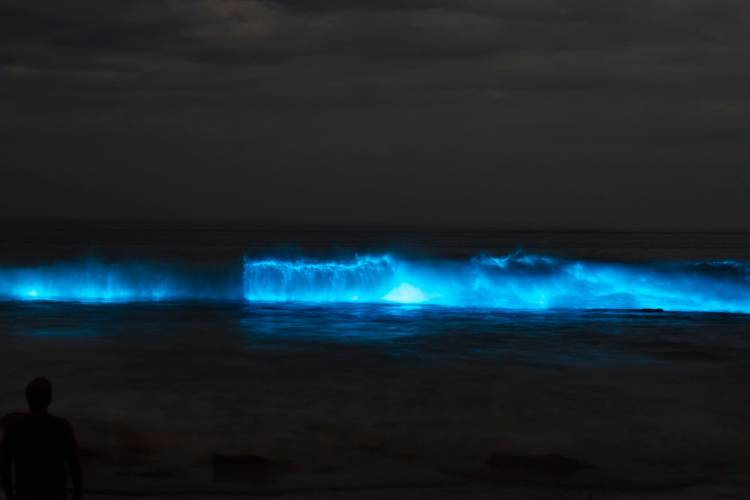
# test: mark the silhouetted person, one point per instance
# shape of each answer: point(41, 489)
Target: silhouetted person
point(41, 448)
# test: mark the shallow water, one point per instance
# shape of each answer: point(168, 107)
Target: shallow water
point(553, 337)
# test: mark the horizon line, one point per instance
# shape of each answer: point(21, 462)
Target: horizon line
point(349, 226)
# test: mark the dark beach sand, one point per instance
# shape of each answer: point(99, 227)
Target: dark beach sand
point(375, 427)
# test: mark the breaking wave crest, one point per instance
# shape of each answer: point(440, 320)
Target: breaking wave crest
point(517, 281)
point(366, 279)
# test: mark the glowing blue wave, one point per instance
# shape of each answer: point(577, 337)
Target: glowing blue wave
point(94, 281)
point(366, 279)
point(514, 282)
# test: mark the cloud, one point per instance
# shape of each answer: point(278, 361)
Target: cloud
point(420, 86)
point(356, 52)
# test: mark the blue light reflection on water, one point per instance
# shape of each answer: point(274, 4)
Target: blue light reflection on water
point(426, 332)
point(543, 337)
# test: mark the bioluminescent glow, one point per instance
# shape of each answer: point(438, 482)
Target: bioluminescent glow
point(517, 281)
point(366, 279)
point(94, 281)
point(86, 282)
point(513, 282)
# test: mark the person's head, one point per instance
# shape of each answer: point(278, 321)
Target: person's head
point(39, 394)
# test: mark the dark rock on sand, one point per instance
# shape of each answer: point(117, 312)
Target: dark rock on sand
point(244, 468)
point(157, 473)
point(534, 467)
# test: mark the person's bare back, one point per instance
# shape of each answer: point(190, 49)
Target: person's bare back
point(42, 450)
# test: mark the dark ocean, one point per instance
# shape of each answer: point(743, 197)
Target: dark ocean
point(170, 343)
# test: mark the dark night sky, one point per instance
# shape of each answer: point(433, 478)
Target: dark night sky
point(514, 113)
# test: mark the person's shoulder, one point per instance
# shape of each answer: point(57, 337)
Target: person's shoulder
point(59, 422)
point(11, 417)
